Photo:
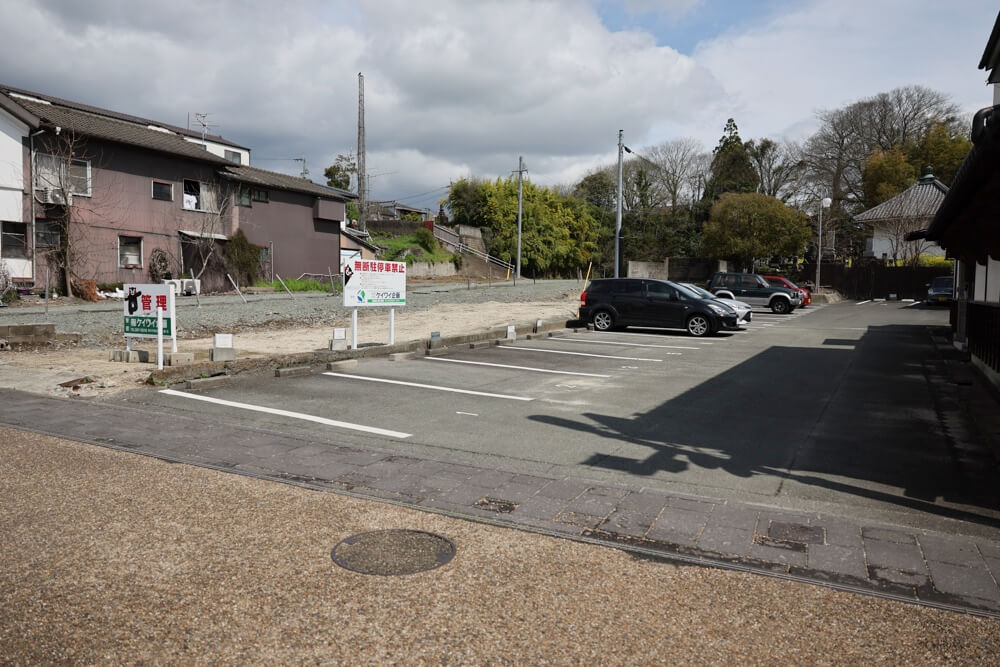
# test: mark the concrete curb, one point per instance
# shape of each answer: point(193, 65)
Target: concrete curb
point(323, 358)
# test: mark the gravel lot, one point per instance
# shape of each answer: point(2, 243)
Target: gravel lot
point(100, 323)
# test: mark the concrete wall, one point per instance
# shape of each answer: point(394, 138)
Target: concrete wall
point(428, 270)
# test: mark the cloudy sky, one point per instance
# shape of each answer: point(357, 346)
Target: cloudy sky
point(457, 88)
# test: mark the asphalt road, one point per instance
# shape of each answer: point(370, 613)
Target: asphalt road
point(831, 409)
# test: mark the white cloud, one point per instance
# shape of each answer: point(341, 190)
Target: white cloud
point(455, 88)
point(829, 53)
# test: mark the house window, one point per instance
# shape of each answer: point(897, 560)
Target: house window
point(164, 191)
point(243, 197)
point(261, 195)
point(234, 156)
point(129, 252)
point(47, 234)
point(200, 196)
point(14, 240)
point(60, 176)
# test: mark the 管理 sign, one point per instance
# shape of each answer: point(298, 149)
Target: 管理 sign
point(141, 304)
point(370, 282)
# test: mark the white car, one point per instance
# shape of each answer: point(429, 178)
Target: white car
point(744, 312)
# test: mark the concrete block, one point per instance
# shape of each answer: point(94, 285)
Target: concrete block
point(343, 364)
point(400, 356)
point(436, 352)
point(292, 371)
point(479, 344)
point(129, 356)
point(178, 358)
point(222, 354)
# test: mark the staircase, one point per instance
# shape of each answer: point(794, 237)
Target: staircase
point(475, 261)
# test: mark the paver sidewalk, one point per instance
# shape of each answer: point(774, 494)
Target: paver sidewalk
point(920, 566)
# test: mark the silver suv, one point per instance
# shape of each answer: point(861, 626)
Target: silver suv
point(755, 290)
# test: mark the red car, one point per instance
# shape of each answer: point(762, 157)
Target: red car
point(781, 281)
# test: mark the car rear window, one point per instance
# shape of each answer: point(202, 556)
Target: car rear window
point(628, 287)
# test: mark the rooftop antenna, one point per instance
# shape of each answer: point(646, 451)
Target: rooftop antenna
point(305, 171)
point(202, 119)
point(362, 177)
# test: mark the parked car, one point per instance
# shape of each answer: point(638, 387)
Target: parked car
point(941, 290)
point(744, 312)
point(753, 289)
point(646, 302)
point(781, 281)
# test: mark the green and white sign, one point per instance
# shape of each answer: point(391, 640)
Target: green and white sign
point(141, 304)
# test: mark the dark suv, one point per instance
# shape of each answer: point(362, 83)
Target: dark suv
point(753, 289)
point(645, 302)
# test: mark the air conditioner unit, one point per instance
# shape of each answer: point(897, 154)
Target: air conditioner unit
point(130, 259)
point(52, 196)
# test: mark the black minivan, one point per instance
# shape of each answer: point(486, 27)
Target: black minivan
point(646, 302)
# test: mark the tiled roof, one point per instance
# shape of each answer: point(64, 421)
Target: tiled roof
point(921, 200)
point(19, 112)
point(119, 116)
point(120, 131)
point(273, 179)
point(134, 131)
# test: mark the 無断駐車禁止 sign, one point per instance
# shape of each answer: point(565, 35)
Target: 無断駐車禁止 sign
point(370, 282)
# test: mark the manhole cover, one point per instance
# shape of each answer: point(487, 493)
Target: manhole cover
point(392, 552)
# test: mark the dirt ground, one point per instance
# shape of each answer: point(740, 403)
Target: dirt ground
point(44, 369)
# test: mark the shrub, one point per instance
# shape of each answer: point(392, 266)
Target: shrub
point(242, 258)
point(159, 266)
point(425, 238)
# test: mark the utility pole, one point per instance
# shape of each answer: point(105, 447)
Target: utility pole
point(618, 216)
point(361, 151)
point(520, 197)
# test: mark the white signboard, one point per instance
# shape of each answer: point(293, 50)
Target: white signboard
point(141, 304)
point(371, 282)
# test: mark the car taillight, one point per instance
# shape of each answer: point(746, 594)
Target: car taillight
point(583, 297)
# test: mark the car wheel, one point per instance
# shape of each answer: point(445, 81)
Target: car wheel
point(603, 321)
point(699, 325)
point(781, 306)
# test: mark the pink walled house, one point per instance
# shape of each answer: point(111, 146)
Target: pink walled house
point(131, 187)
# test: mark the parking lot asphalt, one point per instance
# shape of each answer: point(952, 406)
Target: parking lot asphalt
point(835, 446)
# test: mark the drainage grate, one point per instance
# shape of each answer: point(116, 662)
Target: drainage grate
point(497, 505)
point(393, 552)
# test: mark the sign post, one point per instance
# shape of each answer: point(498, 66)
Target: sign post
point(374, 283)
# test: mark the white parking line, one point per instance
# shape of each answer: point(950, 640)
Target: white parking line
point(612, 342)
point(861, 303)
point(578, 354)
point(635, 333)
point(429, 386)
point(287, 413)
point(519, 368)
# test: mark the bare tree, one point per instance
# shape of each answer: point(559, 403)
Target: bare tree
point(677, 161)
point(780, 167)
point(63, 186)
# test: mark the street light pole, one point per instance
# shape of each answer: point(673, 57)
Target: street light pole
point(520, 174)
point(825, 203)
point(618, 217)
